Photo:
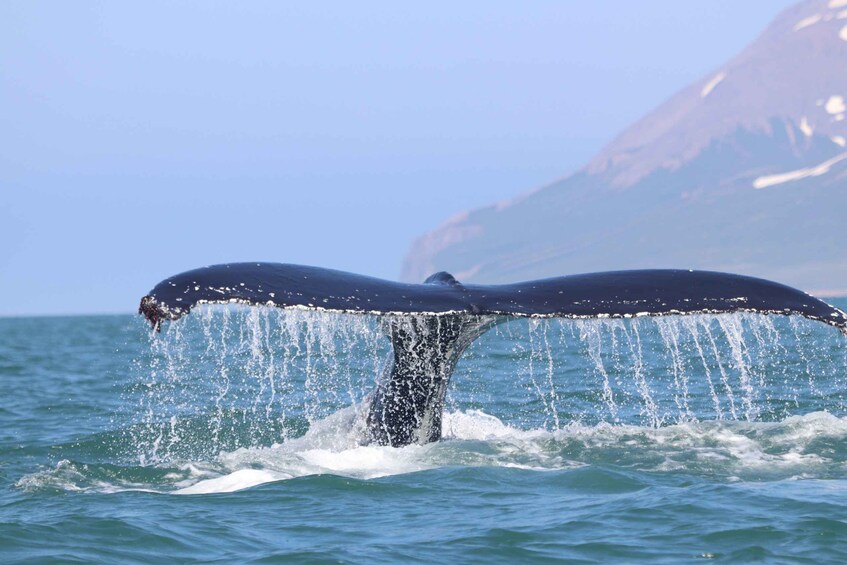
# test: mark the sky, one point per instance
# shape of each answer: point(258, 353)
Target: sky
point(139, 140)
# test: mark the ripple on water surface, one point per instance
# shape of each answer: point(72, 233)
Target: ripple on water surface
point(234, 437)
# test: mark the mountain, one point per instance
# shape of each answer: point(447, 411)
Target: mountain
point(742, 171)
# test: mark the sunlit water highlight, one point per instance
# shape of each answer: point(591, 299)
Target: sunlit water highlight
point(650, 439)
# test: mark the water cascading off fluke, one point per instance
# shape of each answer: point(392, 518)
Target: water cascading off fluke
point(431, 324)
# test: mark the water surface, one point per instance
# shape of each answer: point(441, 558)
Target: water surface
point(235, 436)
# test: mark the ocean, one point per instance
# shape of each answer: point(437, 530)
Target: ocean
point(234, 436)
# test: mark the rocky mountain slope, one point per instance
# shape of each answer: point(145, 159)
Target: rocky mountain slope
point(742, 171)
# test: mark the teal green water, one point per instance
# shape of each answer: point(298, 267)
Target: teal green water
point(233, 437)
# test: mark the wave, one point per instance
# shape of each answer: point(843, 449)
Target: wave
point(810, 446)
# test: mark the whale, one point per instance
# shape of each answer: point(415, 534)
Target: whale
point(431, 324)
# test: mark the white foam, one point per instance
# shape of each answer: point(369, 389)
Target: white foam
point(368, 462)
point(64, 476)
point(479, 426)
point(735, 447)
point(800, 430)
point(71, 477)
point(838, 140)
point(833, 4)
point(475, 439)
point(329, 447)
point(246, 468)
point(237, 480)
point(323, 450)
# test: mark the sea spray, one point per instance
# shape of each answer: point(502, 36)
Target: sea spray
point(235, 377)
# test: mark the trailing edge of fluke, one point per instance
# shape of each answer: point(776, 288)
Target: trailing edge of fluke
point(612, 294)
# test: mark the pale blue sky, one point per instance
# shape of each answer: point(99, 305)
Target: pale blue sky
point(137, 141)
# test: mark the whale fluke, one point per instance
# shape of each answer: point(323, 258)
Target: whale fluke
point(593, 295)
point(431, 324)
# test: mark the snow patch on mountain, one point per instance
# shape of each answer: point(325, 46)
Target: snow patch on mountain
point(710, 86)
point(835, 105)
point(816, 171)
point(805, 127)
point(806, 22)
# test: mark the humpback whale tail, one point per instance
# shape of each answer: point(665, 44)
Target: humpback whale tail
point(431, 324)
